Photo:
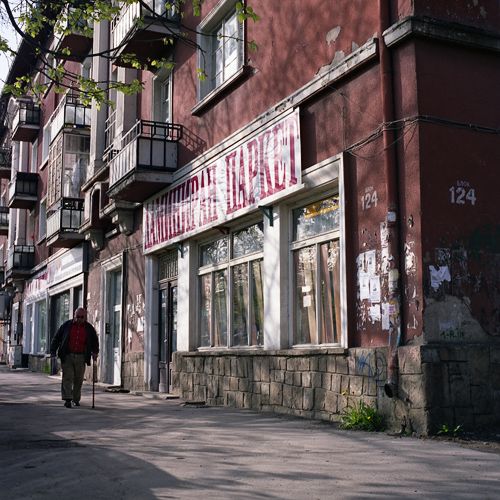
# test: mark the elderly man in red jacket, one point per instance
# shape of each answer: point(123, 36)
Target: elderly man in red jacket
point(75, 342)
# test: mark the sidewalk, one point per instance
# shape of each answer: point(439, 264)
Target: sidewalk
point(131, 447)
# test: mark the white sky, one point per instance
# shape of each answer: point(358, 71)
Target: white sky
point(6, 60)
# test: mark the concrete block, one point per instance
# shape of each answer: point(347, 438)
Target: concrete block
point(479, 361)
point(233, 383)
point(306, 379)
point(331, 402)
point(430, 354)
point(459, 390)
point(244, 385)
point(322, 363)
point(495, 354)
point(365, 362)
point(319, 399)
point(342, 365)
point(287, 396)
point(265, 373)
point(495, 377)
point(331, 366)
point(336, 383)
point(308, 399)
point(314, 364)
point(289, 378)
point(316, 379)
point(413, 389)
point(356, 386)
point(326, 381)
point(278, 376)
point(369, 387)
point(410, 360)
point(351, 364)
point(265, 391)
point(464, 417)
point(208, 367)
point(276, 394)
point(200, 393)
point(482, 399)
point(436, 385)
point(297, 398)
point(304, 364)
point(344, 384)
point(297, 379)
point(453, 353)
point(198, 364)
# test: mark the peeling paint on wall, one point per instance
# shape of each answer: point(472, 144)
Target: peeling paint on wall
point(332, 35)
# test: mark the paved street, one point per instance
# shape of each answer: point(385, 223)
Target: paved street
point(133, 447)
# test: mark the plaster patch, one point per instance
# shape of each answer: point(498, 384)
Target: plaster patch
point(332, 35)
point(450, 320)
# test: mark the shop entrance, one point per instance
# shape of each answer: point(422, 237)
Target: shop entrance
point(114, 329)
point(168, 334)
point(167, 337)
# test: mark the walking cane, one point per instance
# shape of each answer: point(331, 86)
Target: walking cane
point(93, 383)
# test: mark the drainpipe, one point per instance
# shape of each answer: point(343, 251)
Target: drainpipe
point(390, 170)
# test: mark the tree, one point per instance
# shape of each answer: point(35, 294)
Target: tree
point(37, 22)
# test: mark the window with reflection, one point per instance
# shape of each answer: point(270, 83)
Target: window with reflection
point(231, 290)
point(316, 273)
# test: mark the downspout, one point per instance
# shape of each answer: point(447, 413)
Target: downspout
point(390, 170)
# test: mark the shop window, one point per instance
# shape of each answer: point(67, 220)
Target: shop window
point(316, 273)
point(41, 326)
point(221, 41)
point(231, 290)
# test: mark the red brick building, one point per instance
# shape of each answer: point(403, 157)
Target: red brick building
point(314, 218)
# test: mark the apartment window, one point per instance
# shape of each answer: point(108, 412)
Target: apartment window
point(47, 139)
point(86, 71)
point(34, 157)
point(221, 40)
point(316, 273)
point(68, 161)
point(42, 219)
point(231, 290)
point(162, 98)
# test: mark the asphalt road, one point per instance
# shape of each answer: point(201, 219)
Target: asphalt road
point(131, 447)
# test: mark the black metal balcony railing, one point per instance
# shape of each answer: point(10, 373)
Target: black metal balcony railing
point(24, 184)
point(5, 163)
point(26, 122)
point(4, 216)
point(123, 24)
point(147, 146)
point(20, 257)
point(66, 218)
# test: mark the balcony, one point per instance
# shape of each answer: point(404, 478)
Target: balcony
point(77, 38)
point(26, 122)
point(5, 163)
point(63, 222)
point(23, 190)
point(4, 221)
point(145, 161)
point(20, 261)
point(71, 113)
point(144, 39)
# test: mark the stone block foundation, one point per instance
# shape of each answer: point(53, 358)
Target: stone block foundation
point(459, 385)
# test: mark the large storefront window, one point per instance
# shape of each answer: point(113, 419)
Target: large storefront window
point(231, 290)
point(316, 264)
point(41, 326)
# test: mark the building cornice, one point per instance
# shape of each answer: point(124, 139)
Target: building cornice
point(441, 31)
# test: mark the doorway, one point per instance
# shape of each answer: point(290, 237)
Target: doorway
point(168, 334)
point(113, 328)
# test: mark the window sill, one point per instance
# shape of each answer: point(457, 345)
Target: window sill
point(213, 96)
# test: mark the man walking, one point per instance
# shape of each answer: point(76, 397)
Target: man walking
point(75, 342)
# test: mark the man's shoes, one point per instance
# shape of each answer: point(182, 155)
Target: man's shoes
point(76, 403)
point(67, 403)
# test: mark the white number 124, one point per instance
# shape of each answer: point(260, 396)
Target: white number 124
point(459, 196)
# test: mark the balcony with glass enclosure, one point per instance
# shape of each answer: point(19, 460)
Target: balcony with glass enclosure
point(5, 163)
point(145, 161)
point(23, 190)
point(20, 261)
point(63, 221)
point(71, 113)
point(141, 29)
point(4, 221)
point(26, 122)
point(73, 33)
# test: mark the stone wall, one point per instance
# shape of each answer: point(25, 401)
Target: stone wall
point(133, 371)
point(453, 384)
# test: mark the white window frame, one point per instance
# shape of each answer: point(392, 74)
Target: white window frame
point(325, 179)
point(42, 219)
point(206, 31)
point(226, 265)
point(162, 79)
